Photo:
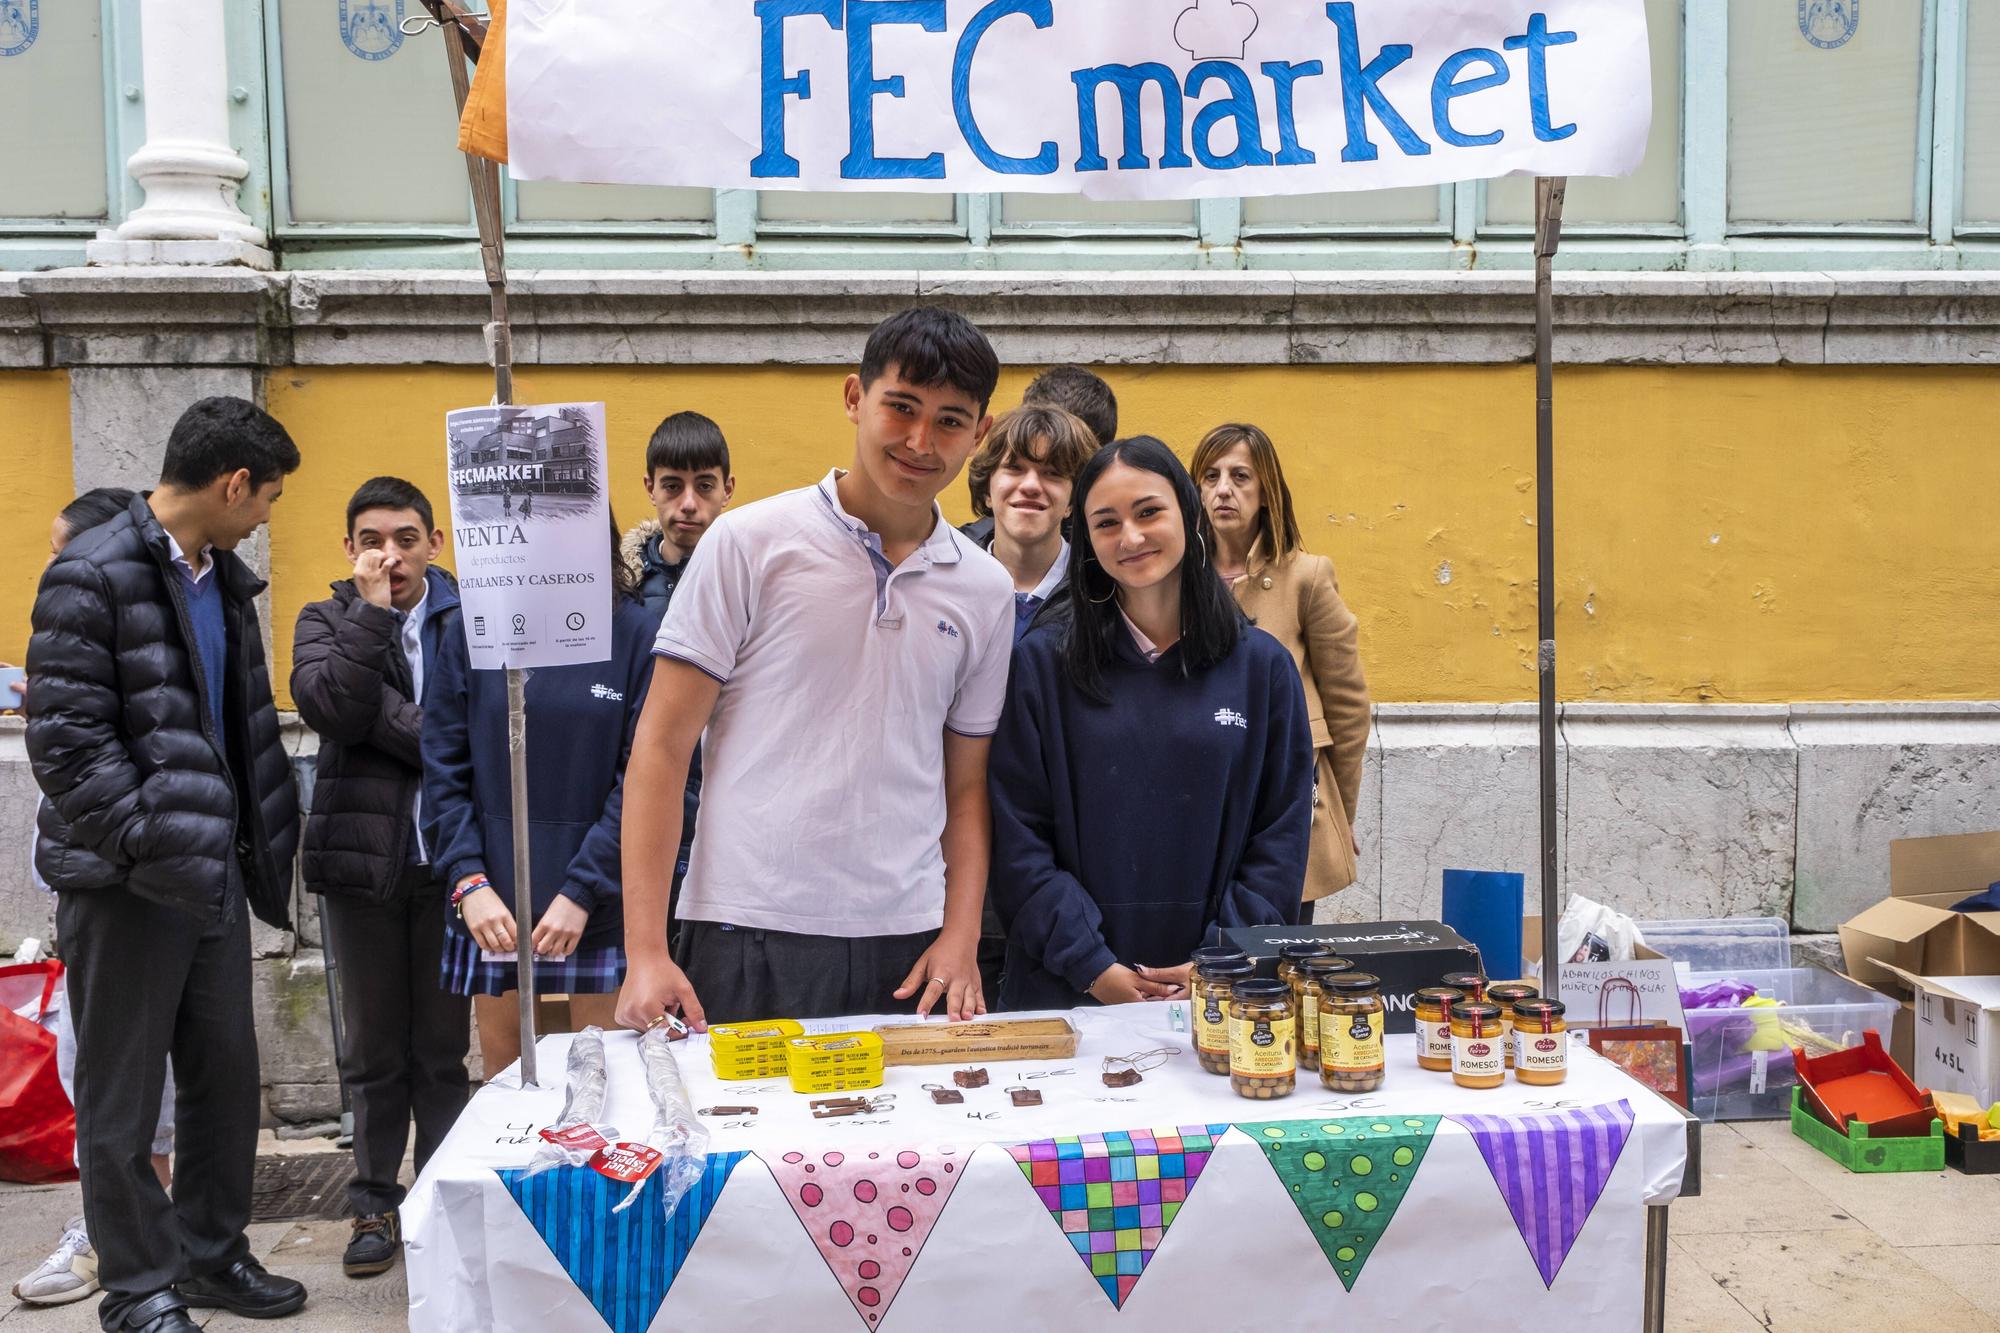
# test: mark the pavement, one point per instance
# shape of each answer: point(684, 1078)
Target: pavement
point(1781, 1240)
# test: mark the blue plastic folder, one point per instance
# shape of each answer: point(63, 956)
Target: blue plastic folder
point(1485, 907)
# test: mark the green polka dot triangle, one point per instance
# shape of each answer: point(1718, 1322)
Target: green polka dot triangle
point(1346, 1177)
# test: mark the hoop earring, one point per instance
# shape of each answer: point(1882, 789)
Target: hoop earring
point(1100, 601)
point(1203, 543)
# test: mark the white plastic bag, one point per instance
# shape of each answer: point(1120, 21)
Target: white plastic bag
point(1593, 933)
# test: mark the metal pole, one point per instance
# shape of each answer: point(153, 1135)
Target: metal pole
point(1657, 1253)
point(484, 176)
point(1548, 234)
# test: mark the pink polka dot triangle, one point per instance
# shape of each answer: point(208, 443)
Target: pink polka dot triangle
point(868, 1213)
point(1114, 1195)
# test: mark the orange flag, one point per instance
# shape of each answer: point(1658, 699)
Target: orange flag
point(483, 127)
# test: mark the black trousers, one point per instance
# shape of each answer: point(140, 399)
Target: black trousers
point(741, 975)
point(403, 1055)
point(148, 981)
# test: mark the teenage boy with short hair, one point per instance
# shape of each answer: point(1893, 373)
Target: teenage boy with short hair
point(846, 650)
point(1021, 479)
point(1076, 391)
point(171, 818)
point(688, 483)
point(359, 663)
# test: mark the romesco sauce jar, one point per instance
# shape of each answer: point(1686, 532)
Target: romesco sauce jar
point(1476, 1061)
point(1473, 984)
point(1350, 1033)
point(1541, 1042)
point(1433, 1008)
point(1308, 990)
point(1263, 1039)
point(1507, 994)
point(1209, 989)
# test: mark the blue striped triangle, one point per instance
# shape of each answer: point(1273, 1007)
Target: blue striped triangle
point(624, 1262)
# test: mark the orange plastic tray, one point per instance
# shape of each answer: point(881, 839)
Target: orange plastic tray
point(1863, 1085)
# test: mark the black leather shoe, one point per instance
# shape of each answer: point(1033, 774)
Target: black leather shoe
point(245, 1288)
point(161, 1312)
point(373, 1247)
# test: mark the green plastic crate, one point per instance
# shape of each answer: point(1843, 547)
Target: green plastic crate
point(1857, 1152)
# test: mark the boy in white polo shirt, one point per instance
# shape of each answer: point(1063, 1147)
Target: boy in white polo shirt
point(846, 649)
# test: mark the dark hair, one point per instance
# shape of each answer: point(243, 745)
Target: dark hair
point(1211, 624)
point(1047, 436)
point(389, 493)
point(1277, 522)
point(99, 505)
point(1080, 393)
point(218, 436)
point(687, 442)
point(929, 346)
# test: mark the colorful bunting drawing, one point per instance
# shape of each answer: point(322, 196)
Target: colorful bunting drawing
point(1551, 1170)
point(570, 1207)
point(1346, 1177)
point(1115, 1195)
point(869, 1214)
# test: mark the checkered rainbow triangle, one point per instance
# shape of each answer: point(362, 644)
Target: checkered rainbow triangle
point(1114, 1195)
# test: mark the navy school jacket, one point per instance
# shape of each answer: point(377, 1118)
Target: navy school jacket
point(1130, 832)
point(580, 724)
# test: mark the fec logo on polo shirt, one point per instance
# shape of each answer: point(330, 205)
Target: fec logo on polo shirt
point(946, 628)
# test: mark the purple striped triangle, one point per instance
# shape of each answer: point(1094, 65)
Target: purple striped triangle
point(1551, 1170)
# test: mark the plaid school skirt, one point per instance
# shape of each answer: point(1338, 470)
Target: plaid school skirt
point(463, 971)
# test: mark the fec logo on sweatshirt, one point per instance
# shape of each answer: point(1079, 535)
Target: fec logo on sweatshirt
point(1229, 717)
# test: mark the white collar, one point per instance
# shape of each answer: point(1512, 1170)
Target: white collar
point(413, 619)
point(180, 558)
point(939, 548)
point(1139, 639)
point(1053, 579)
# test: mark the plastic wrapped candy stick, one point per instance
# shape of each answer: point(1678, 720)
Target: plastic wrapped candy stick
point(583, 1101)
point(677, 1134)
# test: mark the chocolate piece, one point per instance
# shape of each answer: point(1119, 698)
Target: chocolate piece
point(1025, 1096)
point(944, 1096)
point(1121, 1078)
point(969, 1078)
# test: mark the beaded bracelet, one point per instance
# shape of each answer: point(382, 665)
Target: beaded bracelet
point(472, 885)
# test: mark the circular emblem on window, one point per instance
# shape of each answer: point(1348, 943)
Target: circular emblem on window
point(20, 24)
point(372, 29)
point(1829, 24)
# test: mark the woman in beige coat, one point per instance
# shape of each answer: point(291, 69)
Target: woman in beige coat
point(1293, 596)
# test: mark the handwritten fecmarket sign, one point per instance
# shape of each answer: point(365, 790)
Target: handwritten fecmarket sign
point(1117, 99)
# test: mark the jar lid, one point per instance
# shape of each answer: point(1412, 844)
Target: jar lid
point(1325, 967)
point(1538, 1008)
point(1262, 988)
point(1513, 992)
point(1223, 969)
point(1215, 953)
point(1465, 980)
point(1298, 953)
point(1355, 983)
point(1440, 995)
point(1477, 1010)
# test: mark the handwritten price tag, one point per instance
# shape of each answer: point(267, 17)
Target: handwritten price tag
point(629, 1162)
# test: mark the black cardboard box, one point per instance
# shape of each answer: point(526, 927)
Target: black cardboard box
point(1407, 955)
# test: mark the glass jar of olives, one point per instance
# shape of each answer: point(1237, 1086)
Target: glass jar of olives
point(1350, 1033)
point(1263, 1034)
point(1209, 991)
point(1291, 956)
point(1307, 992)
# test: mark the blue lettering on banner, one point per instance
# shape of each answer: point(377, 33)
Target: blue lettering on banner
point(774, 161)
point(369, 30)
point(1538, 39)
point(1282, 76)
point(1240, 107)
point(1130, 81)
point(863, 88)
point(20, 24)
point(1447, 85)
point(1041, 14)
point(1360, 90)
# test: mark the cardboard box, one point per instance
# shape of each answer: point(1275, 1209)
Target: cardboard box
point(1958, 1034)
point(1407, 955)
point(1914, 930)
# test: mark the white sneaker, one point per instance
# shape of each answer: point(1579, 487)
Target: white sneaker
point(70, 1274)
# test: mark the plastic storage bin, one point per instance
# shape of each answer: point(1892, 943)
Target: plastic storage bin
point(1859, 1152)
point(1741, 1066)
point(1720, 944)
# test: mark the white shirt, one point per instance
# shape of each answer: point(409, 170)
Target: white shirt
point(180, 558)
point(1053, 579)
point(822, 800)
point(1139, 639)
point(413, 652)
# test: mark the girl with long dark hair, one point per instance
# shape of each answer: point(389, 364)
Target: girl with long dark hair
point(1152, 776)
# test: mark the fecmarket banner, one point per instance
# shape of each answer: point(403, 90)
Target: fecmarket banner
point(1117, 99)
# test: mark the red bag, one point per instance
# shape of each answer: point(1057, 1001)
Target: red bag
point(37, 1123)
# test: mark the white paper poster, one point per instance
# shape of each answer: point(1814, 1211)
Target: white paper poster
point(531, 520)
point(1118, 99)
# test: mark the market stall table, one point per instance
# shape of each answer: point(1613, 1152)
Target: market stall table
point(1173, 1204)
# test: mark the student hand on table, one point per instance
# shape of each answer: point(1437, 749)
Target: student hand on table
point(1175, 979)
point(1119, 984)
point(487, 919)
point(560, 928)
point(655, 986)
point(948, 976)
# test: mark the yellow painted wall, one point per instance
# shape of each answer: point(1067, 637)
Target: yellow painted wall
point(34, 440)
point(1753, 534)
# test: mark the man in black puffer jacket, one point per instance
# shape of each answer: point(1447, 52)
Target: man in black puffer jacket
point(171, 817)
point(360, 659)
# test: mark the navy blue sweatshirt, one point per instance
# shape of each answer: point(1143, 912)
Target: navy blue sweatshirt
point(580, 723)
point(1129, 832)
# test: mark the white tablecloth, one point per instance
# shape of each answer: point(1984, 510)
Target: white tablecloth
point(1175, 1204)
